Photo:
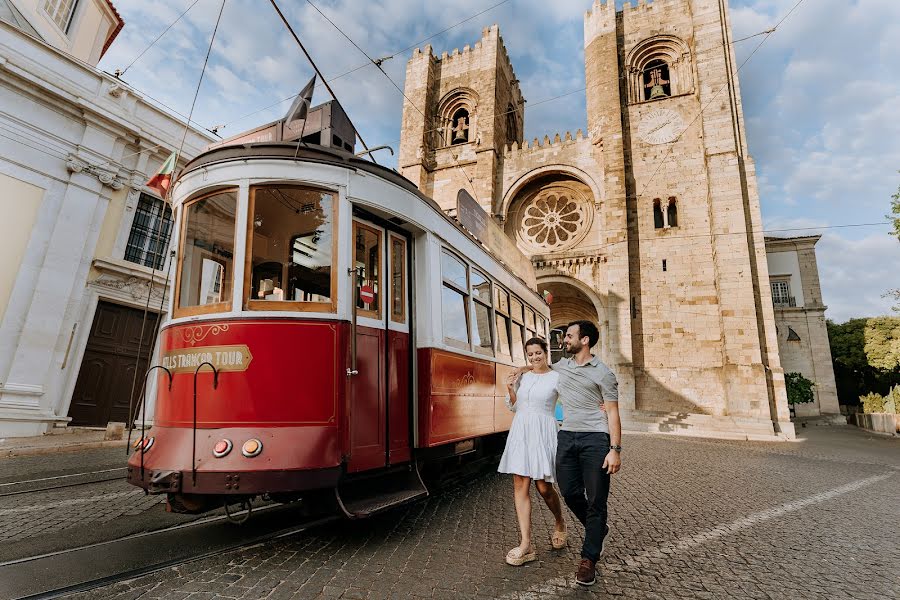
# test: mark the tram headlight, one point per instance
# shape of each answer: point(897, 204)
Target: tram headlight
point(222, 448)
point(252, 448)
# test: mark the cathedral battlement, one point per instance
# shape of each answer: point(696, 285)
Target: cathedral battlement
point(514, 149)
point(600, 19)
point(489, 36)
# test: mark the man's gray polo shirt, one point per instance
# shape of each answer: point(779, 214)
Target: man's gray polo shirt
point(582, 389)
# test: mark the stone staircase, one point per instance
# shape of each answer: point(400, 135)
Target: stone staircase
point(700, 425)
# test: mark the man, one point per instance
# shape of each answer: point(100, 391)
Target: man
point(588, 444)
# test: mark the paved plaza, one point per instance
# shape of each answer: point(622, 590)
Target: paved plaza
point(690, 518)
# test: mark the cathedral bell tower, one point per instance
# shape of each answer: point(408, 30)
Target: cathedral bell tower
point(461, 110)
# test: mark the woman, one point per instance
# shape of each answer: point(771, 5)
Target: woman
point(530, 452)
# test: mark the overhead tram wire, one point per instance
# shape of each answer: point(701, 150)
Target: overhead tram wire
point(164, 252)
point(164, 32)
point(768, 33)
point(322, 77)
point(366, 64)
point(383, 72)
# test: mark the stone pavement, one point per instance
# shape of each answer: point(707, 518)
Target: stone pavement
point(690, 519)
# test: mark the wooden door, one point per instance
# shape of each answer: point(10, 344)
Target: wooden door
point(108, 367)
point(368, 406)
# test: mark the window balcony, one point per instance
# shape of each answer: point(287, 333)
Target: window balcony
point(785, 302)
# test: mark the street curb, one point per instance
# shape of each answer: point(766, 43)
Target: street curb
point(36, 451)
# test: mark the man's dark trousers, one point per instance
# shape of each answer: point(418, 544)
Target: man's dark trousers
point(584, 483)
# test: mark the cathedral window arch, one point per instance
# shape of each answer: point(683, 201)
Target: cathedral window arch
point(672, 213)
point(457, 114)
point(512, 125)
point(659, 67)
point(658, 222)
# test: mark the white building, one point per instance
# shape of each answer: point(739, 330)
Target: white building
point(76, 147)
point(800, 319)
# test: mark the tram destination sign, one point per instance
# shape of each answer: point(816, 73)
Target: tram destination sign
point(223, 358)
point(471, 216)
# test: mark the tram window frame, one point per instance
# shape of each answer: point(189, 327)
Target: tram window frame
point(400, 318)
point(379, 295)
point(517, 306)
point(290, 305)
point(453, 286)
point(476, 302)
point(184, 213)
point(501, 311)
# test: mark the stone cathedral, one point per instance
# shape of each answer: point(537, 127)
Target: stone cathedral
point(648, 222)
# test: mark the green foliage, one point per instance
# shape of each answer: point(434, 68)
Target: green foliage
point(799, 388)
point(882, 347)
point(895, 213)
point(860, 353)
point(872, 403)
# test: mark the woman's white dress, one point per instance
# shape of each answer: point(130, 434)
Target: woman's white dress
point(531, 444)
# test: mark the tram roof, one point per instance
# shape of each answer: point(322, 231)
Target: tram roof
point(330, 156)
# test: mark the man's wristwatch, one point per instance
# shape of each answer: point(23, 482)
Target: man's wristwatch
point(616, 448)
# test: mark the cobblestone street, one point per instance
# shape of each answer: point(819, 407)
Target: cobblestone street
point(690, 519)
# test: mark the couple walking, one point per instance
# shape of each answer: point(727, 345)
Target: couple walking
point(580, 457)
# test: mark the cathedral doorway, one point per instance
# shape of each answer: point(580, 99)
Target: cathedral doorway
point(567, 303)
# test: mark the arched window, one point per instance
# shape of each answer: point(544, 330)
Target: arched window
point(460, 127)
point(672, 213)
point(657, 214)
point(657, 83)
point(457, 118)
point(659, 67)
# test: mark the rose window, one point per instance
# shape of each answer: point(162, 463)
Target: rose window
point(554, 220)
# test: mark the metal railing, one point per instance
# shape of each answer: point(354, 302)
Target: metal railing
point(788, 302)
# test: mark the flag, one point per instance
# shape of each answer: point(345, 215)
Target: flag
point(302, 102)
point(163, 179)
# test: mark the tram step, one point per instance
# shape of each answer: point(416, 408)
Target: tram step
point(367, 498)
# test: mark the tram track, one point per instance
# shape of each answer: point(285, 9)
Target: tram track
point(90, 566)
point(47, 484)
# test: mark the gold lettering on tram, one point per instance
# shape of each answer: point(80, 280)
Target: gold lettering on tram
point(223, 358)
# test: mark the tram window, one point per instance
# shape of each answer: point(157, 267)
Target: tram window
point(501, 299)
point(503, 335)
point(530, 319)
point(515, 310)
point(518, 344)
point(454, 270)
point(290, 247)
point(481, 328)
point(398, 279)
point(207, 253)
point(367, 260)
point(481, 286)
point(453, 313)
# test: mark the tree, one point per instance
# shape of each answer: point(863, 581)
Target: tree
point(882, 346)
point(895, 213)
point(799, 388)
point(862, 355)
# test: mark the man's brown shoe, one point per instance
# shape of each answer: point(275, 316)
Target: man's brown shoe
point(587, 572)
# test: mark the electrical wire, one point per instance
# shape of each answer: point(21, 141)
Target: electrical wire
point(172, 24)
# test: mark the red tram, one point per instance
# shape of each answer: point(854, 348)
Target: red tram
point(329, 324)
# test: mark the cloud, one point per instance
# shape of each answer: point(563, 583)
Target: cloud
point(854, 274)
point(819, 95)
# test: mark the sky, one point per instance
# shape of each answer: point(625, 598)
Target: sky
point(819, 95)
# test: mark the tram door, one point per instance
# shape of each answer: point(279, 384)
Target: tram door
point(379, 391)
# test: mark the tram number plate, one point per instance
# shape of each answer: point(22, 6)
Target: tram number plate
point(367, 294)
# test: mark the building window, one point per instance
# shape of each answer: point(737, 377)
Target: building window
point(149, 238)
point(657, 214)
point(512, 125)
point(672, 213)
point(657, 68)
point(781, 294)
point(60, 12)
point(457, 122)
point(656, 80)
